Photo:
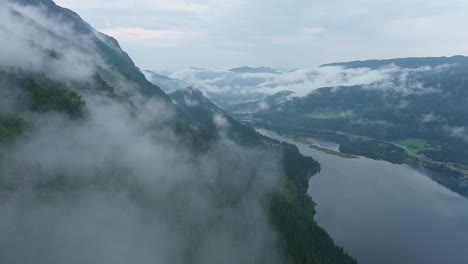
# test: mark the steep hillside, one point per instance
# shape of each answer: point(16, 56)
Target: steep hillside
point(291, 210)
point(97, 165)
point(61, 25)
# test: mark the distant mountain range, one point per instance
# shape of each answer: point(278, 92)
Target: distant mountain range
point(407, 63)
point(392, 100)
point(234, 86)
point(422, 98)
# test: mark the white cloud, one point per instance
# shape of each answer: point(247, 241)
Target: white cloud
point(229, 88)
point(301, 82)
point(428, 118)
point(26, 45)
point(220, 121)
point(122, 184)
point(458, 132)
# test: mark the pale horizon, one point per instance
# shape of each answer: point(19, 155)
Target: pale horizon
point(212, 34)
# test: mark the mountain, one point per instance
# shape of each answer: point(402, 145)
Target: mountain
point(409, 63)
point(409, 103)
point(166, 83)
point(228, 88)
point(292, 212)
point(97, 165)
point(212, 120)
point(418, 106)
point(92, 41)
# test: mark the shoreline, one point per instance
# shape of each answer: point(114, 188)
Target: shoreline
point(319, 148)
point(443, 173)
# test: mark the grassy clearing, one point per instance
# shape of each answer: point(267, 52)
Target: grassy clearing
point(412, 142)
point(415, 145)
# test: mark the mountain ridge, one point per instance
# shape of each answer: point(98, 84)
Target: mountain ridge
point(108, 47)
point(409, 62)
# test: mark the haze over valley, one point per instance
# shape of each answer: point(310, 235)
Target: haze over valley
point(221, 132)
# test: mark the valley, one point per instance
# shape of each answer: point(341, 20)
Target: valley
point(456, 175)
point(376, 141)
point(99, 165)
point(410, 146)
point(386, 205)
point(390, 128)
point(115, 149)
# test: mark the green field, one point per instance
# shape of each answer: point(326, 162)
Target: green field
point(415, 145)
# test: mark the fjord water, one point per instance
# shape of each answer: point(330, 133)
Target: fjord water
point(385, 213)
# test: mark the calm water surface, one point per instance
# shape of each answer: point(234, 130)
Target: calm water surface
point(386, 213)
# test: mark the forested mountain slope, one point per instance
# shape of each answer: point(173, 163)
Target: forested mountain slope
point(97, 165)
point(292, 210)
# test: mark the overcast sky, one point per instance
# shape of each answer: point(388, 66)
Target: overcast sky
point(171, 34)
